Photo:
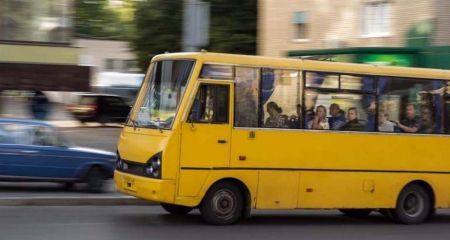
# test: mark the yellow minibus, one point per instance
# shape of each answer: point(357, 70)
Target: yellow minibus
point(229, 133)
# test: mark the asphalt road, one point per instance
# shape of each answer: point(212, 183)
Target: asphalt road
point(150, 222)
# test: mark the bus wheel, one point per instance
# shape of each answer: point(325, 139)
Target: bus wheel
point(356, 213)
point(222, 204)
point(413, 205)
point(176, 209)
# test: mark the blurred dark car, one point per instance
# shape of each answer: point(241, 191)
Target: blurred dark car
point(35, 151)
point(102, 108)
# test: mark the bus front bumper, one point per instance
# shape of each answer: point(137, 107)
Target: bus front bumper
point(156, 190)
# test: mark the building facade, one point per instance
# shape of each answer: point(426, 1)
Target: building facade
point(36, 47)
point(389, 32)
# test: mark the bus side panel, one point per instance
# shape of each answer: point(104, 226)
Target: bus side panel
point(350, 189)
point(277, 189)
point(191, 182)
point(248, 177)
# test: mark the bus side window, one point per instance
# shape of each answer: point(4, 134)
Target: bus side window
point(211, 104)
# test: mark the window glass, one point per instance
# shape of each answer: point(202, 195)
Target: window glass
point(214, 71)
point(281, 98)
point(376, 18)
point(114, 101)
point(211, 104)
point(336, 111)
point(447, 108)
point(161, 97)
point(411, 105)
point(246, 97)
point(321, 80)
point(44, 136)
point(6, 134)
point(363, 83)
point(88, 100)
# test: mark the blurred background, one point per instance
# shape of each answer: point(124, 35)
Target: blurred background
point(64, 47)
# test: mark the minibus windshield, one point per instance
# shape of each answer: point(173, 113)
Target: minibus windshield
point(158, 100)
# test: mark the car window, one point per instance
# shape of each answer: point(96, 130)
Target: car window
point(113, 101)
point(87, 100)
point(44, 136)
point(6, 135)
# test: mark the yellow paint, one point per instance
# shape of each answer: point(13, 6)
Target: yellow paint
point(285, 168)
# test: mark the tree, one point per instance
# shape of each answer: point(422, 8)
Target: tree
point(158, 27)
point(95, 19)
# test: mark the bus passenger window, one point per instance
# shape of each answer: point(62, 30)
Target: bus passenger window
point(281, 97)
point(246, 97)
point(412, 105)
point(211, 104)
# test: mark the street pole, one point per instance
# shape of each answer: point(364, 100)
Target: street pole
point(195, 25)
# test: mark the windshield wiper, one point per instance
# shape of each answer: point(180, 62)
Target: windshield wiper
point(155, 125)
point(134, 123)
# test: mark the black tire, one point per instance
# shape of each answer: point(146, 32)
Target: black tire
point(176, 209)
point(414, 205)
point(95, 180)
point(356, 213)
point(222, 204)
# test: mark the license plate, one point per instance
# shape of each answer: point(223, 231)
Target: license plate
point(129, 183)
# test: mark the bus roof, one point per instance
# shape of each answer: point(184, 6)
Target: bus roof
point(291, 63)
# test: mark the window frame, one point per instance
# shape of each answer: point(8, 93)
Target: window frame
point(198, 89)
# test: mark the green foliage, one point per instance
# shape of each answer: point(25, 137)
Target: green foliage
point(94, 19)
point(158, 26)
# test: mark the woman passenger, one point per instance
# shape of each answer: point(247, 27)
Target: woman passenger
point(275, 119)
point(320, 121)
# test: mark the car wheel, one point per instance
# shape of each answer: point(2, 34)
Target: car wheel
point(413, 205)
point(95, 180)
point(176, 209)
point(222, 204)
point(356, 213)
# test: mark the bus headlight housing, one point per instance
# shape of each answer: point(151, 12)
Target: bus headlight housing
point(153, 167)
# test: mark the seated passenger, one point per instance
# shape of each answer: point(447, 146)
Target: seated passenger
point(428, 125)
point(296, 121)
point(320, 121)
point(411, 123)
point(337, 119)
point(384, 125)
point(275, 119)
point(353, 123)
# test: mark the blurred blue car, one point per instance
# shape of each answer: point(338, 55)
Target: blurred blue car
point(35, 151)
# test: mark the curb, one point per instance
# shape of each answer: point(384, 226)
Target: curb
point(73, 201)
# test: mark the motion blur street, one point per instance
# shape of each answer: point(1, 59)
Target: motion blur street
point(151, 222)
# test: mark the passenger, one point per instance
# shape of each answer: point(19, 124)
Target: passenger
point(337, 119)
point(296, 121)
point(275, 119)
point(411, 123)
point(428, 125)
point(319, 122)
point(384, 125)
point(353, 123)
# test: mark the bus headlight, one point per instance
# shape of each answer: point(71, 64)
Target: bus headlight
point(153, 166)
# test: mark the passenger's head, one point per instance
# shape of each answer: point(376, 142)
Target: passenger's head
point(334, 109)
point(383, 117)
point(410, 111)
point(352, 114)
point(427, 114)
point(273, 109)
point(321, 111)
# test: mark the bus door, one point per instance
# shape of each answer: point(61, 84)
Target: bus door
point(205, 136)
